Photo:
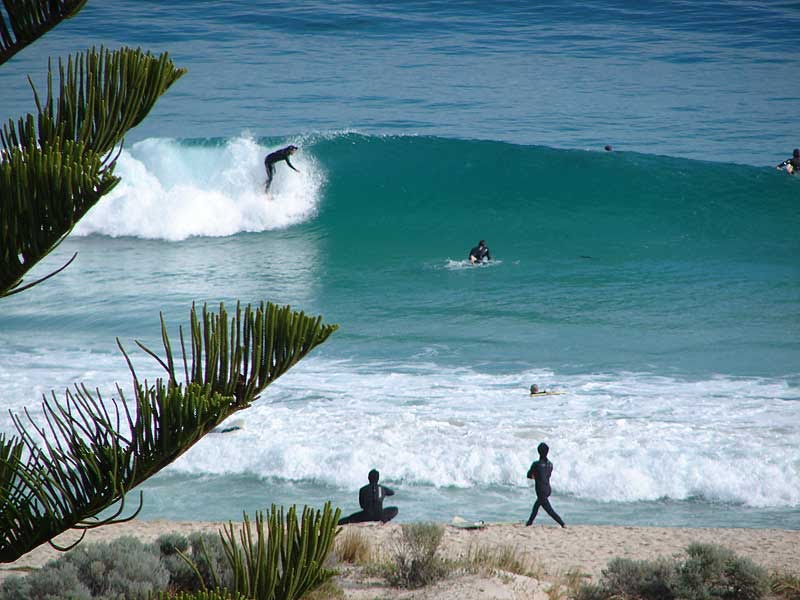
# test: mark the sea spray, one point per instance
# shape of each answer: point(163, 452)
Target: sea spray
point(171, 191)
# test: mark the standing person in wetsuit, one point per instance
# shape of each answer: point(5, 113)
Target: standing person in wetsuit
point(370, 497)
point(540, 472)
point(479, 253)
point(791, 165)
point(277, 156)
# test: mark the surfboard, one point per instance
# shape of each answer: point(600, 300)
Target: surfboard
point(464, 524)
point(548, 393)
point(236, 425)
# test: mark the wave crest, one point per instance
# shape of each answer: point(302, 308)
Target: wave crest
point(173, 190)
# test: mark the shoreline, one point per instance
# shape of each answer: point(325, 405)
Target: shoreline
point(582, 548)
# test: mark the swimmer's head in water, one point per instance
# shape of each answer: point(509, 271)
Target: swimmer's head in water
point(534, 388)
point(796, 153)
point(607, 147)
point(543, 449)
point(373, 476)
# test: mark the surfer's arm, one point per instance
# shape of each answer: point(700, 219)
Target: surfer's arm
point(387, 491)
point(784, 163)
point(290, 164)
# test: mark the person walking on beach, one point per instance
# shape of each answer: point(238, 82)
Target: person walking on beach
point(540, 472)
point(277, 156)
point(791, 165)
point(479, 253)
point(370, 498)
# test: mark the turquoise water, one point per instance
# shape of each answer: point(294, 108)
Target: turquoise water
point(658, 284)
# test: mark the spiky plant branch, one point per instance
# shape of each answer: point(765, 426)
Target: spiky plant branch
point(25, 21)
point(87, 456)
point(56, 165)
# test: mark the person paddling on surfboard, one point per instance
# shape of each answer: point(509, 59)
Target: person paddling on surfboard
point(479, 253)
point(277, 156)
point(791, 165)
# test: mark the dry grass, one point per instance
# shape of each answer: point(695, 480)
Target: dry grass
point(327, 591)
point(502, 558)
point(353, 547)
point(785, 585)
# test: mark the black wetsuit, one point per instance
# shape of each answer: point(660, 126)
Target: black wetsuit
point(277, 156)
point(370, 498)
point(540, 472)
point(794, 161)
point(480, 253)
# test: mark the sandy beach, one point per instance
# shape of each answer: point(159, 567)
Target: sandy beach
point(581, 548)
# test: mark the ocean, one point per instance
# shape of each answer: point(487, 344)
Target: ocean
point(657, 285)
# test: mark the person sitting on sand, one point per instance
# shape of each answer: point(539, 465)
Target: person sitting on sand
point(479, 253)
point(370, 497)
point(540, 472)
point(791, 165)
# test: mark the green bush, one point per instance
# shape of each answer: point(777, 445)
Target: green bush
point(742, 579)
point(415, 561)
point(57, 580)
point(181, 575)
point(648, 580)
point(708, 572)
point(169, 543)
point(590, 591)
point(124, 568)
point(711, 572)
point(206, 552)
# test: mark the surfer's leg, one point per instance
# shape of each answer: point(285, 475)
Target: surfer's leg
point(549, 510)
point(389, 513)
point(535, 510)
point(270, 173)
point(356, 517)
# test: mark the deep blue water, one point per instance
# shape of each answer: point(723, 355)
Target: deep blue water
point(658, 284)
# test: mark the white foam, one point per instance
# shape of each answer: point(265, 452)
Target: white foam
point(627, 437)
point(171, 191)
point(622, 437)
point(458, 265)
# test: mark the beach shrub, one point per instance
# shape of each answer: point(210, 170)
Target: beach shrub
point(169, 543)
point(711, 571)
point(708, 572)
point(415, 561)
point(57, 580)
point(124, 568)
point(648, 580)
point(181, 575)
point(742, 579)
point(206, 567)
